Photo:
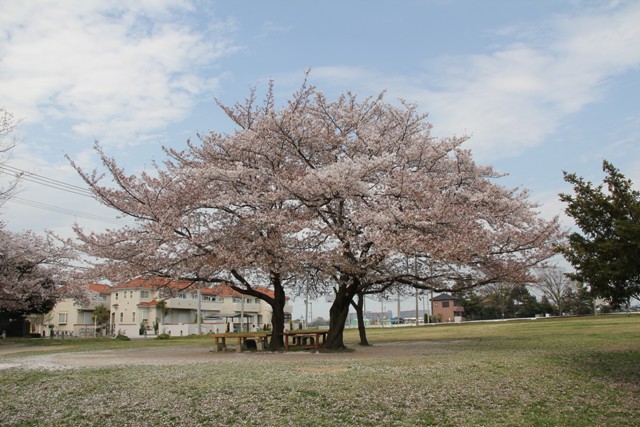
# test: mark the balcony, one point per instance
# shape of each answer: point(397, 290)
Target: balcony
point(192, 304)
point(94, 303)
point(253, 307)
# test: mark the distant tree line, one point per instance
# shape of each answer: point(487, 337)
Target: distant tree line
point(508, 301)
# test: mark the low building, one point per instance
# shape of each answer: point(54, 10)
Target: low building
point(447, 308)
point(158, 305)
point(70, 319)
point(171, 306)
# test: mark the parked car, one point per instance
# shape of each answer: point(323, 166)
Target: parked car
point(397, 321)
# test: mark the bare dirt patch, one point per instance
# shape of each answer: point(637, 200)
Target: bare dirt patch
point(22, 349)
point(190, 355)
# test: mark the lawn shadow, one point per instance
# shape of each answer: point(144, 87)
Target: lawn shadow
point(621, 367)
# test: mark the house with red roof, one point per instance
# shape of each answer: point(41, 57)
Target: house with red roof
point(68, 318)
point(154, 304)
point(171, 306)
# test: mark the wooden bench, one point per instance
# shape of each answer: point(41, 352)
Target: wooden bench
point(304, 339)
point(261, 339)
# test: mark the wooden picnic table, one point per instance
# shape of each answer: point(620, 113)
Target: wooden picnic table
point(261, 339)
point(309, 339)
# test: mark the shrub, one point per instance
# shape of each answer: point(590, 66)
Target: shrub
point(122, 337)
point(163, 336)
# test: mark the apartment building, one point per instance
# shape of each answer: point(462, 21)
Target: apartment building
point(70, 319)
point(150, 305)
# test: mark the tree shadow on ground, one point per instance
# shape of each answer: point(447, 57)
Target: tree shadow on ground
point(621, 367)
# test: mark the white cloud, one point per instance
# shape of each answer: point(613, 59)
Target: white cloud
point(550, 206)
point(513, 97)
point(114, 69)
point(41, 202)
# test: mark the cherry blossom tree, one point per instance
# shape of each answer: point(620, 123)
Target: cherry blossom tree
point(192, 224)
point(342, 191)
point(34, 273)
point(375, 188)
point(210, 213)
point(34, 270)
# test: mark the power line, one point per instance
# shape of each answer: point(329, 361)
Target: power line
point(65, 211)
point(43, 180)
point(58, 185)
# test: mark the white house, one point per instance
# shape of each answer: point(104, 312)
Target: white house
point(171, 306)
point(142, 302)
point(68, 318)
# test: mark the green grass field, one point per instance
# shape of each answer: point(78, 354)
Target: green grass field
point(547, 372)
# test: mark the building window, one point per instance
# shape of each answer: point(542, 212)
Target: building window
point(116, 296)
point(130, 294)
point(182, 295)
point(62, 318)
point(133, 317)
point(124, 295)
point(445, 304)
point(144, 294)
point(121, 317)
point(236, 299)
point(194, 295)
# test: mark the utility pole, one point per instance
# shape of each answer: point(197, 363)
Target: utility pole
point(415, 273)
point(306, 309)
point(417, 311)
point(364, 306)
point(430, 305)
point(242, 313)
point(199, 314)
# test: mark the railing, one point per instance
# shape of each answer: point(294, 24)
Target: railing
point(192, 304)
point(88, 330)
point(253, 307)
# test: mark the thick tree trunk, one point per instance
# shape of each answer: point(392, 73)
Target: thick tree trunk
point(337, 317)
point(277, 304)
point(276, 343)
point(362, 331)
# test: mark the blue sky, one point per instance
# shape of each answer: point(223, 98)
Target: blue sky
point(540, 86)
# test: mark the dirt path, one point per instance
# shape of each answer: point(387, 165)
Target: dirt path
point(190, 355)
point(23, 348)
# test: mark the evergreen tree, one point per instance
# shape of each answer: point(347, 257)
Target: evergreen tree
point(606, 253)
